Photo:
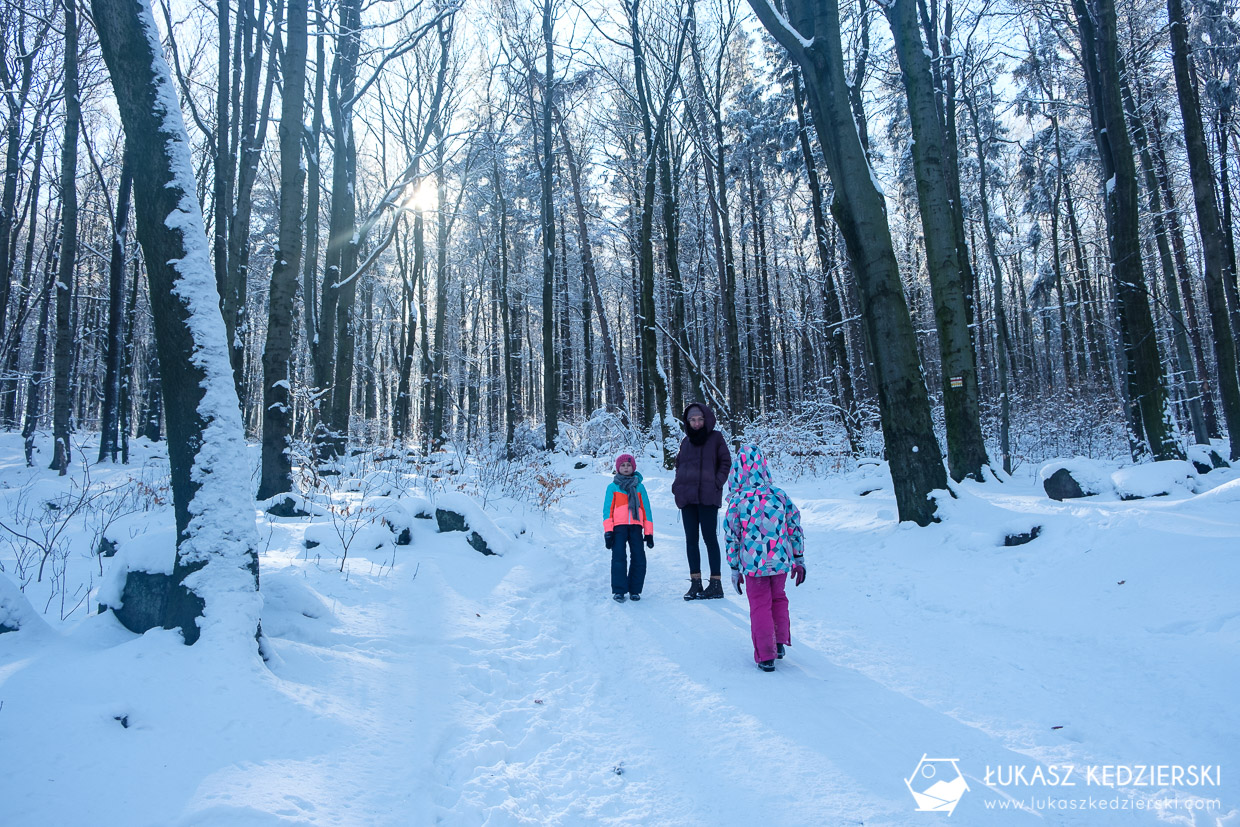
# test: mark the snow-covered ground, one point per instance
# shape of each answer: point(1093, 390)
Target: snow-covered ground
point(429, 684)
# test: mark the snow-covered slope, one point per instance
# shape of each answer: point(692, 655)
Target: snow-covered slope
point(430, 684)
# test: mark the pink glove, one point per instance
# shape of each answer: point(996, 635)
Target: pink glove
point(798, 573)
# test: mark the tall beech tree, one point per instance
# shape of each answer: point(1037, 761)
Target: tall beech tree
point(811, 34)
point(276, 476)
point(653, 114)
point(109, 418)
point(214, 582)
point(1145, 379)
point(946, 260)
point(1205, 198)
point(544, 158)
point(62, 356)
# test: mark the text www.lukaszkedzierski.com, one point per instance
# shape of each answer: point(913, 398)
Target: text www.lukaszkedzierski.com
point(1113, 803)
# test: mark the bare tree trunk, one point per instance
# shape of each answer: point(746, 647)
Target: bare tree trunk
point(1065, 343)
point(946, 262)
point(402, 422)
point(126, 389)
point(653, 125)
point(1002, 336)
point(17, 92)
point(1184, 275)
point(837, 346)
point(511, 344)
point(611, 363)
point(1222, 117)
point(1179, 330)
point(564, 329)
point(9, 381)
point(224, 172)
point(38, 365)
point(276, 476)
point(109, 415)
point(252, 128)
point(811, 34)
point(1146, 384)
point(764, 352)
point(439, 377)
point(675, 282)
point(334, 365)
point(551, 362)
point(62, 358)
point(153, 403)
point(428, 367)
point(713, 163)
point(1208, 220)
point(314, 179)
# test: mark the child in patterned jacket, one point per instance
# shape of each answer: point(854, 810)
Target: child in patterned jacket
point(764, 545)
point(626, 519)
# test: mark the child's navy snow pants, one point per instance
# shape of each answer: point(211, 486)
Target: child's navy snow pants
point(632, 581)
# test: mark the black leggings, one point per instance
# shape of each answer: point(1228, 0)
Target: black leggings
point(706, 518)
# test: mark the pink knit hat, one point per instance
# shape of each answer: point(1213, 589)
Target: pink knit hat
point(624, 457)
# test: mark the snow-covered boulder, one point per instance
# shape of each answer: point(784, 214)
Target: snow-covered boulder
point(393, 514)
point(1205, 459)
point(359, 528)
point(455, 511)
point(136, 584)
point(1155, 479)
point(1067, 479)
point(16, 613)
point(420, 507)
point(286, 505)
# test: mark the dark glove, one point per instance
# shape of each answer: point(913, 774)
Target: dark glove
point(609, 539)
point(736, 580)
point(649, 541)
point(798, 573)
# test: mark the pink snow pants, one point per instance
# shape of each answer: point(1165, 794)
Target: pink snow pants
point(768, 614)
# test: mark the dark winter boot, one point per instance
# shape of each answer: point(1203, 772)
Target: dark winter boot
point(766, 665)
point(695, 589)
point(714, 591)
point(618, 597)
point(779, 651)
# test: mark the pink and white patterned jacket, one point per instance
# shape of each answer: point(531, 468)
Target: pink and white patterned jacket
point(762, 526)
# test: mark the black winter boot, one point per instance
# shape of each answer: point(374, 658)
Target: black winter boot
point(779, 650)
point(714, 591)
point(695, 589)
point(766, 665)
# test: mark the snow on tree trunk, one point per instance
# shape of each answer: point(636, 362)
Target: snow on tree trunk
point(213, 589)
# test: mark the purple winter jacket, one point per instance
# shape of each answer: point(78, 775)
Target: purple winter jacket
point(701, 470)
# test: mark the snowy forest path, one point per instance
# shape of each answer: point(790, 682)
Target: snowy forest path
point(572, 707)
point(453, 687)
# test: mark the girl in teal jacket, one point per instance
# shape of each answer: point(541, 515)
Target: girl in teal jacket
point(626, 520)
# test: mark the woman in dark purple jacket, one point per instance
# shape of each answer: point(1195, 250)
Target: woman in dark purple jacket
point(701, 471)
